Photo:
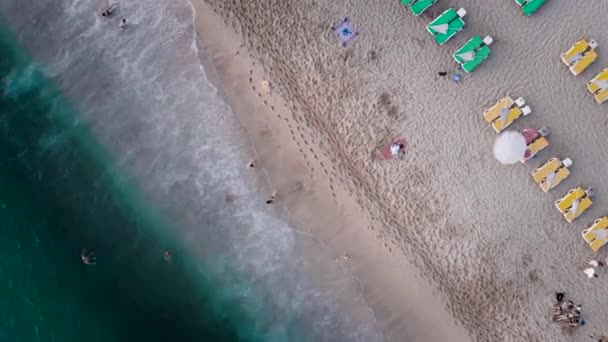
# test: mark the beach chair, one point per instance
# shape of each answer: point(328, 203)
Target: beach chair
point(501, 106)
point(597, 234)
point(530, 6)
point(575, 203)
point(598, 86)
point(507, 117)
point(418, 6)
point(580, 56)
point(552, 173)
point(536, 141)
point(446, 25)
point(473, 53)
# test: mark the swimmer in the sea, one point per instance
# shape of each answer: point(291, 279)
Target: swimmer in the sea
point(88, 258)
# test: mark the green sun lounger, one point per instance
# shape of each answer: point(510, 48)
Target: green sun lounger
point(473, 53)
point(418, 6)
point(530, 6)
point(446, 25)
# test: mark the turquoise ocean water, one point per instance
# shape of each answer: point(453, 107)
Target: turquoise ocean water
point(57, 197)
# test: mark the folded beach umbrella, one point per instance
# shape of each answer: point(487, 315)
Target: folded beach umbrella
point(504, 114)
point(441, 28)
point(601, 234)
point(551, 177)
point(467, 56)
point(510, 147)
point(602, 84)
point(575, 58)
point(574, 209)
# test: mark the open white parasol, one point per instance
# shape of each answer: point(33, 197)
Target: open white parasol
point(510, 147)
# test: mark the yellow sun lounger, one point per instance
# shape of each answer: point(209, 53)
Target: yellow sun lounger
point(500, 123)
point(575, 203)
point(580, 56)
point(536, 146)
point(544, 170)
point(573, 212)
point(597, 235)
point(601, 96)
point(598, 86)
point(551, 173)
point(493, 112)
point(565, 202)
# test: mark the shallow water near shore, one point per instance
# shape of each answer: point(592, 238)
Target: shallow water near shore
point(124, 152)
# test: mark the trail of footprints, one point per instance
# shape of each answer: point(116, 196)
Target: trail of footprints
point(351, 183)
point(298, 135)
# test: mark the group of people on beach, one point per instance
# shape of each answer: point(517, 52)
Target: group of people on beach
point(566, 313)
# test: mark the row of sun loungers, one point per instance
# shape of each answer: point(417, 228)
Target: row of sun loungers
point(553, 172)
point(419, 6)
point(445, 26)
point(578, 58)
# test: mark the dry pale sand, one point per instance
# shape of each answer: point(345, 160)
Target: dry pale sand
point(488, 241)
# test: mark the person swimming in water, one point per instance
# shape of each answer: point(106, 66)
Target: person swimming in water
point(107, 12)
point(88, 258)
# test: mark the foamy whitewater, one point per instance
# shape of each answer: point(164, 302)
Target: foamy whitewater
point(146, 96)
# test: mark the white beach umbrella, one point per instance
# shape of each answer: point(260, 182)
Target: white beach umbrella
point(441, 28)
point(510, 147)
point(467, 56)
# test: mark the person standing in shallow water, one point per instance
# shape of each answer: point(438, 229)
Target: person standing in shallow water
point(167, 256)
point(272, 198)
point(123, 24)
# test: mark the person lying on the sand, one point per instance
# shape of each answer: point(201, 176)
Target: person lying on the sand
point(395, 148)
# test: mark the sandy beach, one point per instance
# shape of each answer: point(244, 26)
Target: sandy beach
point(447, 243)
